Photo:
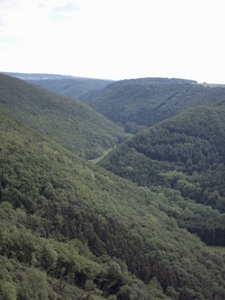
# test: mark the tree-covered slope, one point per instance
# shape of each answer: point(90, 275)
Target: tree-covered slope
point(139, 103)
point(69, 122)
point(185, 153)
point(72, 230)
point(192, 141)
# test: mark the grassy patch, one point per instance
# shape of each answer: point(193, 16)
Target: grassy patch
point(220, 249)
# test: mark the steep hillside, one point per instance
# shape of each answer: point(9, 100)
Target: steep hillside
point(69, 122)
point(72, 230)
point(190, 142)
point(185, 153)
point(139, 103)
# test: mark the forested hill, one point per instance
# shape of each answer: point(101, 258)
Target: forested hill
point(69, 86)
point(192, 142)
point(139, 103)
point(69, 122)
point(185, 153)
point(89, 96)
point(72, 230)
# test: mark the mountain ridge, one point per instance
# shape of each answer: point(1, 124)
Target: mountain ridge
point(140, 103)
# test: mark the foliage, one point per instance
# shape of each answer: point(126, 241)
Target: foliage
point(139, 103)
point(72, 230)
point(69, 122)
point(187, 154)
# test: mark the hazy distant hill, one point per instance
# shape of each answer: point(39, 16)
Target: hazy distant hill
point(73, 88)
point(72, 230)
point(69, 122)
point(140, 103)
point(69, 86)
point(37, 76)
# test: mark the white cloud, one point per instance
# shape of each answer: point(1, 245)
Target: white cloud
point(114, 38)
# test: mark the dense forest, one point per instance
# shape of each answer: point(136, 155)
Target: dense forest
point(185, 153)
point(136, 225)
point(69, 122)
point(70, 229)
point(139, 103)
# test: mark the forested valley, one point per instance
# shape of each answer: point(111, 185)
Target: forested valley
point(136, 104)
point(136, 225)
point(182, 157)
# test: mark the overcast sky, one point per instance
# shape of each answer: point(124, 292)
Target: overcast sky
point(114, 39)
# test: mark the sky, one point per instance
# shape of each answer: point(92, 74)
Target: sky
point(114, 39)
